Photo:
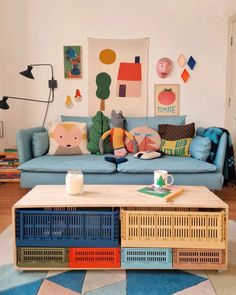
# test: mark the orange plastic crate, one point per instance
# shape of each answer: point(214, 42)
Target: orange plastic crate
point(94, 257)
point(199, 259)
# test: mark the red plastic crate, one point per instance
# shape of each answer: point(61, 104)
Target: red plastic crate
point(94, 257)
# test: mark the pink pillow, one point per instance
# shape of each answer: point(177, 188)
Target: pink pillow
point(148, 139)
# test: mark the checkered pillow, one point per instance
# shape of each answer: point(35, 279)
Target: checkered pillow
point(176, 132)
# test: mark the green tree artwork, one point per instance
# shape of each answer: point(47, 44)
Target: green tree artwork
point(160, 181)
point(99, 126)
point(103, 81)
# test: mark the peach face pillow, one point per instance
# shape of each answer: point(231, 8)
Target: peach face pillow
point(147, 138)
point(67, 138)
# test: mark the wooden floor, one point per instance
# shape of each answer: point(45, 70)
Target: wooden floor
point(12, 192)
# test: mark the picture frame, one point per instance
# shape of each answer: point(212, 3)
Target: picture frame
point(72, 61)
point(166, 99)
point(1, 129)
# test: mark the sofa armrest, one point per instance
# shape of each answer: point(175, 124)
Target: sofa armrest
point(24, 143)
point(221, 151)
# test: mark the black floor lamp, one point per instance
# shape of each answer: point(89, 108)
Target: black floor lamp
point(52, 84)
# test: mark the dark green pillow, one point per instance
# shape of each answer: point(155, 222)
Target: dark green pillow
point(99, 126)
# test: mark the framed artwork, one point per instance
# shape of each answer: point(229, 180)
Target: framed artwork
point(72, 61)
point(166, 99)
point(1, 129)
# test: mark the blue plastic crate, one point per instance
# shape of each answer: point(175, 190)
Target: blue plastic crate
point(64, 228)
point(150, 258)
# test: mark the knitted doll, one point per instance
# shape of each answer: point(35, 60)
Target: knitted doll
point(117, 134)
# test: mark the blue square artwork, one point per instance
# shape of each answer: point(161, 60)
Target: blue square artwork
point(191, 62)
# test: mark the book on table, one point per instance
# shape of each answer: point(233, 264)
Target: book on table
point(166, 195)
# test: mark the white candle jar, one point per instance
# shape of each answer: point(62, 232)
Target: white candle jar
point(74, 182)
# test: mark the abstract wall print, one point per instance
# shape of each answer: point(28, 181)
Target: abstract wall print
point(181, 60)
point(166, 99)
point(72, 61)
point(118, 76)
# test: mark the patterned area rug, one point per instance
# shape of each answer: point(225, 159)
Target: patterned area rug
point(102, 282)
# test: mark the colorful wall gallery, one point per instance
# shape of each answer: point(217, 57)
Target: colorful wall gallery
point(43, 31)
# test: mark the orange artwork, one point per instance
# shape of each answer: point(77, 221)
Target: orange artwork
point(185, 75)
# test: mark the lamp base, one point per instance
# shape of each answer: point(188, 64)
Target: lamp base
point(52, 84)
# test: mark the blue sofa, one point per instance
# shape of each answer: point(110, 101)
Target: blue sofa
point(49, 169)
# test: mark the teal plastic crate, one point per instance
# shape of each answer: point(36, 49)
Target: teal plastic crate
point(150, 258)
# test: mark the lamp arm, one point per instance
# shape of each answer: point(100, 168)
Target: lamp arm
point(30, 99)
point(38, 65)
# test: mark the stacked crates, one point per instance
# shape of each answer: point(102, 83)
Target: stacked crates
point(58, 238)
point(150, 238)
point(192, 239)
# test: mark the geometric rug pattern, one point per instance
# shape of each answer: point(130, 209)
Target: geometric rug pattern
point(115, 282)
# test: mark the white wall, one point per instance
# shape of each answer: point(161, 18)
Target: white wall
point(37, 31)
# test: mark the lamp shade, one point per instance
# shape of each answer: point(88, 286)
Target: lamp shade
point(3, 103)
point(28, 73)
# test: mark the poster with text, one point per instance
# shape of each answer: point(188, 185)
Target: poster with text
point(166, 99)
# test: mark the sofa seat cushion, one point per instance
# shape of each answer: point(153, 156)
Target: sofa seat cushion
point(87, 163)
point(170, 163)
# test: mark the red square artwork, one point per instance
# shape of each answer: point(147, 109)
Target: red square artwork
point(185, 75)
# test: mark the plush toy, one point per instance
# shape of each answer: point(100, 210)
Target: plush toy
point(117, 134)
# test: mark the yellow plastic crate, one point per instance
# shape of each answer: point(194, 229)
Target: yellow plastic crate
point(173, 229)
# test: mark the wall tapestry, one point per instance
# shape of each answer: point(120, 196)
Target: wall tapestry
point(166, 99)
point(118, 76)
point(72, 61)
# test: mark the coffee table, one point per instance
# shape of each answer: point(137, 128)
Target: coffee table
point(117, 227)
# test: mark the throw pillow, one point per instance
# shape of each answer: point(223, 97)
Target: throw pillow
point(176, 139)
point(99, 126)
point(175, 132)
point(68, 138)
point(147, 138)
point(179, 148)
point(200, 148)
point(40, 143)
point(147, 155)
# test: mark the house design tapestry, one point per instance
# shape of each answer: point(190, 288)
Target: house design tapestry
point(118, 76)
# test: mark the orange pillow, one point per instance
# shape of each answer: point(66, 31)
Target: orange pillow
point(148, 139)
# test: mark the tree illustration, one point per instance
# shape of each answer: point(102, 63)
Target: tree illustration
point(99, 126)
point(160, 181)
point(103, 81)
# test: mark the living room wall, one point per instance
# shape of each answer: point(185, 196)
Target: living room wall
point(35, 32)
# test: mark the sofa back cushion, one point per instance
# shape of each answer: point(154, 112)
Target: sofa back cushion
point(153, 122)
point(40, 143)
point(68, 138)
point(132, 122)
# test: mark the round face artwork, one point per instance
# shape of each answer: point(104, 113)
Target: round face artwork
point(68, 135)
point(164, 67)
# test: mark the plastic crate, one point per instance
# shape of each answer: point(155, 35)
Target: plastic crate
point(173, 229)
point(42, 257)
point(199, 259)
point(81, 228)
point(146, 258)
point(94, 257)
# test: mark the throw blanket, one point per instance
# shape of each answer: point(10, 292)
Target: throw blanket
point(215, 133)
